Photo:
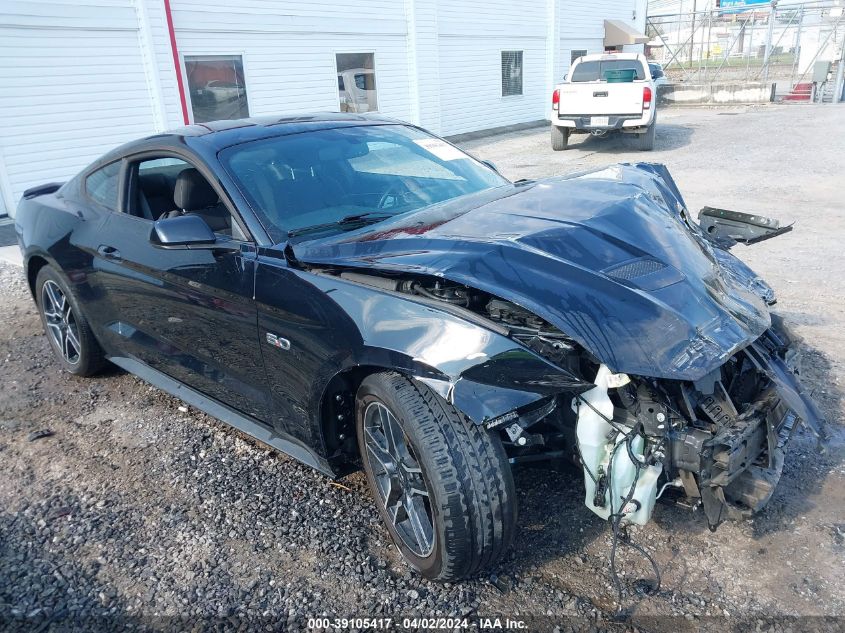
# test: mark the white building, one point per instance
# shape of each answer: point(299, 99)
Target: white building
point(78, 77)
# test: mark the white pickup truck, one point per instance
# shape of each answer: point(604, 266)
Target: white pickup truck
point(604, 93)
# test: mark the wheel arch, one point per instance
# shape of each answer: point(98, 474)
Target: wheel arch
point(34, 264)
point(472, 395)
point(337, 415)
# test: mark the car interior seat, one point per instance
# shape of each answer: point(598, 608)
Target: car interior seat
point(155, 196)
point(193, 194)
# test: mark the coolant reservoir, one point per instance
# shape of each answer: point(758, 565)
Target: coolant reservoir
point(597, 440)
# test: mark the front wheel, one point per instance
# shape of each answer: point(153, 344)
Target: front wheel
point(442, 484)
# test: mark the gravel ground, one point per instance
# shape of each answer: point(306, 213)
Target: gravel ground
point(140, 511)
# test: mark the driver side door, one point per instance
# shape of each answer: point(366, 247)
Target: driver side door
point(188, 313)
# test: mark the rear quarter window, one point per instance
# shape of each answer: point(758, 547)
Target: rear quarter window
point(102, 185)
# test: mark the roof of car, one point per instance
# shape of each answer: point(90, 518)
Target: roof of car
point(610, 56)
point(273, 125)
point(216, 135)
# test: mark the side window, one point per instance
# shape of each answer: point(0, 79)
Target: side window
point(103, 185)
point(511, 73)
point(356, 82)
point(155, 184)
point(217, 86)
point(168, 187)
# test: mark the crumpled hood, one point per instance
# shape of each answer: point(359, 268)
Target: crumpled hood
point(609, 257)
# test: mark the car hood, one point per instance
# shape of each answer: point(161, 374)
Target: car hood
point(609, 257)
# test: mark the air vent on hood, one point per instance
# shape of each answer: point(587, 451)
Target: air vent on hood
point(635, 269)
point(645, 273)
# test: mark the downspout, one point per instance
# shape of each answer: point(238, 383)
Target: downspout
point(177, 66)
point(151, 72)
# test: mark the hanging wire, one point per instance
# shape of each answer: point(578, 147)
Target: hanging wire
point(620, 535)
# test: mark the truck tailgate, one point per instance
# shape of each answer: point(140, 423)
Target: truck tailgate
point(600, 97)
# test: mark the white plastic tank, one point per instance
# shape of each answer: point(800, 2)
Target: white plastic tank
point(598, 441)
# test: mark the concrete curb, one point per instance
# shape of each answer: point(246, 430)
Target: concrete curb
point(495, 131)
point(11, 255)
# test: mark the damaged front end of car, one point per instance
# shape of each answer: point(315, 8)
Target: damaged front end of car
point(637, 344)
point(718, 441)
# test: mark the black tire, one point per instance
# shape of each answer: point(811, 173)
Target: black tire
point(88, 358)
point(645, 141)
point(560, 138)
point(467, 477)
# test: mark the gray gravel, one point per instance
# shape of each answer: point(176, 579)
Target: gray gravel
point(140, 511)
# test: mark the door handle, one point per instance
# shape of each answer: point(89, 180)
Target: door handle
point(108, 252)
point(599, 94)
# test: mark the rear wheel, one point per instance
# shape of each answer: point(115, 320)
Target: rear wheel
point(645, 141)
point(69, 334)
point(442, 484)
point(560, 138)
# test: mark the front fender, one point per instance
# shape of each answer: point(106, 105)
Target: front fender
point(480, 370)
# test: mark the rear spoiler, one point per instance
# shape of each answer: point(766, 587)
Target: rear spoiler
point(731, 227)
point(42, 190)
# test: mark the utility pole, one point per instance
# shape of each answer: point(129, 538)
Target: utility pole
point(837, 91)
point(796, 52)
point(709, 40)
point(692, 33)
point(769, 40)
point(680, 28)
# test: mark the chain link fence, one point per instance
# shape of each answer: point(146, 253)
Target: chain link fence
point(789, 45)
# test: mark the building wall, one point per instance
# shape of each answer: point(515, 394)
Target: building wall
point(472, 36)
point(289, 53)
point(74, 85)
point(579, 30)
point(82, 76)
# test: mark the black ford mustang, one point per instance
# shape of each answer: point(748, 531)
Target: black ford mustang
point(354, 291)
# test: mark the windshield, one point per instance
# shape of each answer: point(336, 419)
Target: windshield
point(595, 70)
point(340, 179)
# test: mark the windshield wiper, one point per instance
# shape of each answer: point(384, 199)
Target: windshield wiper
point(359, 218)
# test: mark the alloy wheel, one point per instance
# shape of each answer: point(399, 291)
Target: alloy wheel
point(398, 477)
point(60, 321)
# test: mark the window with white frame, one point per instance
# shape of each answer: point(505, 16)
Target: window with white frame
point(575, 54)
point(216, 87)
point(356, 82)
point(511, 73)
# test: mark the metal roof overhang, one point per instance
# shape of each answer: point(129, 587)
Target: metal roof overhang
point(618, 33)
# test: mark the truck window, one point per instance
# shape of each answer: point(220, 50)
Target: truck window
point(594, 70)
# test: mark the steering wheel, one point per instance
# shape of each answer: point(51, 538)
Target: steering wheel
point(395, 192)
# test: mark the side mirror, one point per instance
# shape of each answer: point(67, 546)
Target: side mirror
point(566, 77)
point(491, 165)
point(183, 231)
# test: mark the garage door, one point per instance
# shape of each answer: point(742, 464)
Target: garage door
point(73, 86)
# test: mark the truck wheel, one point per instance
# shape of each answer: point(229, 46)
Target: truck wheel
point(560, 138)
point(69, 334)
point(645, 141)
point(443, 485)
